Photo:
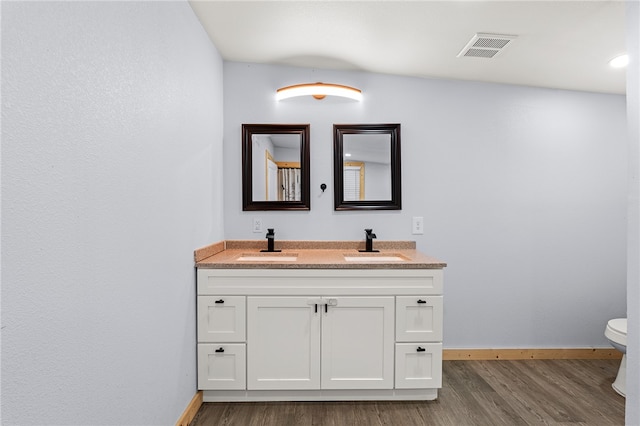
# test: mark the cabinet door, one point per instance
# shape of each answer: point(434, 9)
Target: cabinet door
point(357, 343)
point(283, 343)
point(221, 319)
point(419, 318)
point(221, 367)
point(418, 365)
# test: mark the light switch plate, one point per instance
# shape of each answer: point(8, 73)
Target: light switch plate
point(417, 225)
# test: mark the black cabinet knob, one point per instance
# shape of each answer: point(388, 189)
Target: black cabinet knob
point(220, 350)
point(220, 301)
point(420, 349)
point(421, 301)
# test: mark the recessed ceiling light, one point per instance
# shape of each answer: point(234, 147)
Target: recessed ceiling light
point(619, 61)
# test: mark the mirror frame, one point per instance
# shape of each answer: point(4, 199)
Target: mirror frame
point(339, 130)
point(248, 130)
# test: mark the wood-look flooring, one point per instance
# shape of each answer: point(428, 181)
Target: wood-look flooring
point(526, 392)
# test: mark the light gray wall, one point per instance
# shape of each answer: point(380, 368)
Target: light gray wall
point(633, 255)
point(111, 177)
point(523, 192)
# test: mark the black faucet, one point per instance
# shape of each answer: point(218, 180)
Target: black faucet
point(369, 241)
point(271, 239)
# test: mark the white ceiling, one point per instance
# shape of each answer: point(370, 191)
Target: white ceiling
point(560, 44)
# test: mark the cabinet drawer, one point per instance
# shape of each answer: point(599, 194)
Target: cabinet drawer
point(221, 318)
point(419, 318)
point(418, 365)
point(319, 282)
point(222, 366)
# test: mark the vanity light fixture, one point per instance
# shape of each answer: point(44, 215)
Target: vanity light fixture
point(619, 61)
point(319, 91)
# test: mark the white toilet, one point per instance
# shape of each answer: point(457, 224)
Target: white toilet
point(616, 333)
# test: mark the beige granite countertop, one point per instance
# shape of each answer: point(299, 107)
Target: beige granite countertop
point(313, 255)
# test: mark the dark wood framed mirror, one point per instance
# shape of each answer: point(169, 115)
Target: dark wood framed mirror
point(366, 170)
point(275, 167)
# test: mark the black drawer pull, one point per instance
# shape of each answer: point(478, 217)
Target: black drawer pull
point(421, 301)
point(420, 349)
point(220, 350)
point(220, 301)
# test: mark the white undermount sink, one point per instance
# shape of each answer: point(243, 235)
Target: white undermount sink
point(268, 257)
point(373, 257)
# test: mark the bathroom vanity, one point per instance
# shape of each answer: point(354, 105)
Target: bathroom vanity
point(319, 321)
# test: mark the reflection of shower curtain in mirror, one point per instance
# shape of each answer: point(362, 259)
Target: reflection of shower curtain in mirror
point(289, 184)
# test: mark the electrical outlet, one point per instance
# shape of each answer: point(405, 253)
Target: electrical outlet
point(418, 225)
point(257, 224)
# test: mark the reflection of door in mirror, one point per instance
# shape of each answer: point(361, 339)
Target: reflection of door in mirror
point(274, 176)
point(374, 152)
point(271, 188)
point(353, 180)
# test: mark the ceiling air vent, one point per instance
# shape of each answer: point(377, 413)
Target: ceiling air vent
point(484, 45)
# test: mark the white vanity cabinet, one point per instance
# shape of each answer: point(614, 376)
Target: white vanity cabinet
point(285, 343)
point(357, 343)
point(320, 334)
point(320, 342)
